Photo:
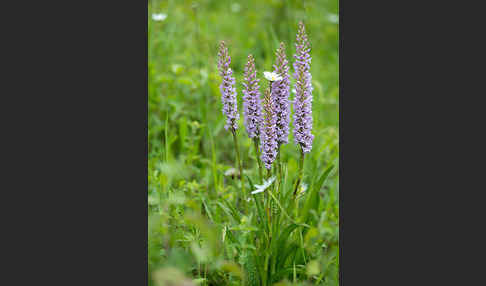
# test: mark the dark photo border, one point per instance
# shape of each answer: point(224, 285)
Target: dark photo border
point(75, 186)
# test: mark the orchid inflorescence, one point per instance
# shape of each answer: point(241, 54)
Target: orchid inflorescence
point(303, 93)
point(267, 121)
point(227, 87)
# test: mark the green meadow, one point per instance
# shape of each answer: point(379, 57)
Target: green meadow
point(202, 228)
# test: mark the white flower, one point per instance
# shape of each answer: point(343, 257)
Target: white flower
point(261, 188)
point(159, 17)
point(257, 191)
point(271, 76)
point(302, 188)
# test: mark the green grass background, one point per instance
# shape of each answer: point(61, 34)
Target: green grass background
point(189, 150)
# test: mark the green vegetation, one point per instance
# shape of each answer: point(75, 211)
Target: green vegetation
point(202, 228)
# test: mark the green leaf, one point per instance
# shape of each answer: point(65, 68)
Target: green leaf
point(227, 211)
point(235, 213)
point(288, 251)
point(313, 197)
point(282, 242)
point(231, 237)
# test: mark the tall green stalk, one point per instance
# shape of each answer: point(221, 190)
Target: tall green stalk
point(259, 160)
point(238, 161)
point(279, 164)
point(266, 268)
point(301, 171)
point(267, 201)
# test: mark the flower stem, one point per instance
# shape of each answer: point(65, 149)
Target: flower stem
point(257, 154)
point(301, 171)
point(269, 203)
point(238, 161)
point(279, 165)
point(265, 269)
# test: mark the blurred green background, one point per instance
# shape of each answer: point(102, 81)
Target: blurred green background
point(189, 150)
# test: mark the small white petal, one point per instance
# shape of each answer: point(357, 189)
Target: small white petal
point(303, 187)
point(257, 191)
point(159, 17)
point(267, 75)
point(271, 76)
point(264, 186)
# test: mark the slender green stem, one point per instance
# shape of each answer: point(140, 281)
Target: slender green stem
point(265, 270)
point(259, 160)
point(301, 171)
point(279, 164)
point(297, 183)
point(272, 231)
point(269, 174)
point(267, 204)
point(238, 162)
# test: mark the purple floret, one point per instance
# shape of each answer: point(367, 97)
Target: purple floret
point(280, 93)
point(303, 92)
point(251, 100)
point(268, 135)
point(227, 87)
